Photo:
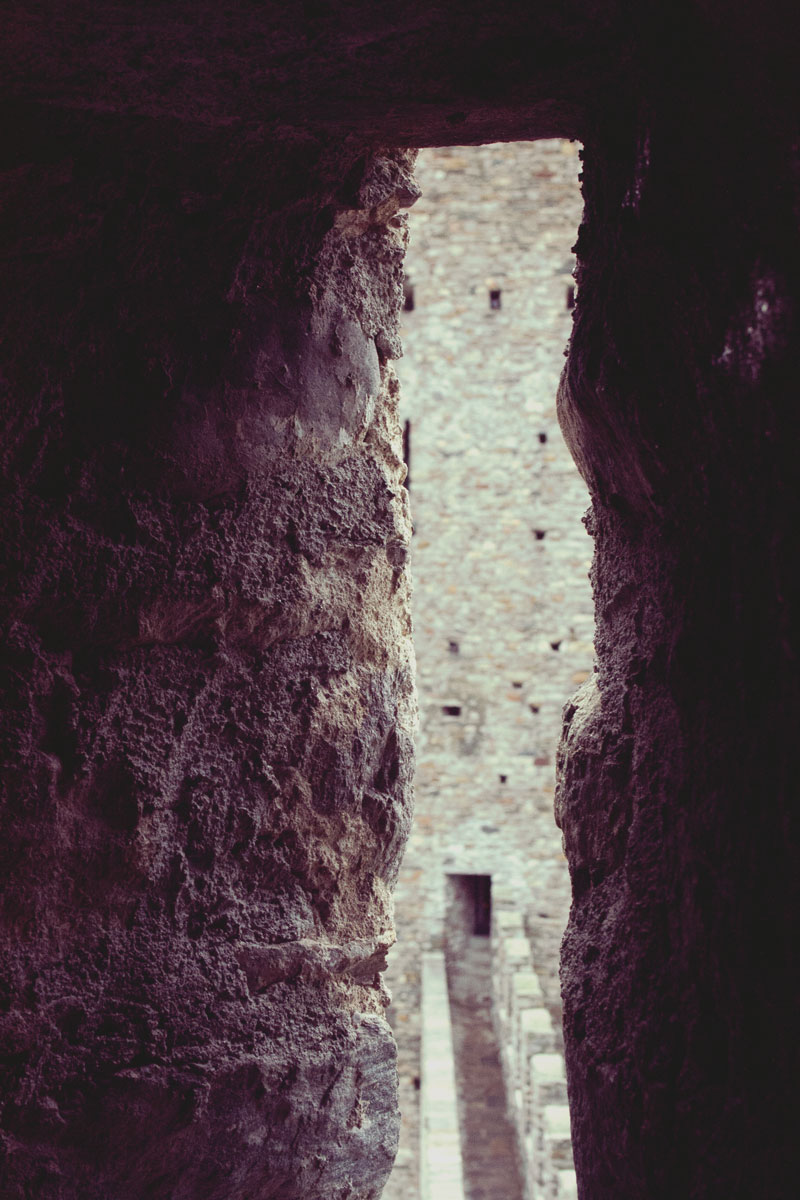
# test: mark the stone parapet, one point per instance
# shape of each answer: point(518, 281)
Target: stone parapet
point(533, 1064)
point(441, 1172)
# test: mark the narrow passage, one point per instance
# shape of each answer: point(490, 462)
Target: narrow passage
point(488, 1144)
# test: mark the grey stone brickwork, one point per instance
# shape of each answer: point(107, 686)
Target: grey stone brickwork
point(502, 604)
point(530, 1051)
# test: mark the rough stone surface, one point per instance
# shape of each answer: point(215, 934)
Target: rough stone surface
point(678, 793)
point(207, 687)
point(196, 646)
point(417, 73)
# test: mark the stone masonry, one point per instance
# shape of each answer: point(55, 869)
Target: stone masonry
point(207, 702)
point(502, 604)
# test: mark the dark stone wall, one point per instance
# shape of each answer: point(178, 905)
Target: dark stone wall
point(207, 685)
point(207, 712)
point(678, 793)
point(411, 74)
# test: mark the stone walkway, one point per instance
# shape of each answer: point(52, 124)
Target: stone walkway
point(487, 1138)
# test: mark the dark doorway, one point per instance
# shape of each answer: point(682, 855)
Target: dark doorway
point(482, 904)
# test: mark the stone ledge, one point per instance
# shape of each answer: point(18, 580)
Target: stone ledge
point(441, 1170)
point(533, 1067)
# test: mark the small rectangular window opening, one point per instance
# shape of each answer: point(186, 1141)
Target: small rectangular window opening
point(469, 909)
point(481, 886)
point(478, 889)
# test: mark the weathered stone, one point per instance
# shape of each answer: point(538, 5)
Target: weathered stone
point(204, 637)
point(208, 708)
point(678, 791)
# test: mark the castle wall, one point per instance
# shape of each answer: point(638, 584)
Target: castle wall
point(500, 557)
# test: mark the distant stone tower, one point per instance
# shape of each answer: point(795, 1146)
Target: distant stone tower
point(503, 631)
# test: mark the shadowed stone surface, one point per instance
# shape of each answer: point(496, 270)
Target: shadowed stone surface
point(412, 74)
point(208, 683)
point(678, 793)
point(207, 710)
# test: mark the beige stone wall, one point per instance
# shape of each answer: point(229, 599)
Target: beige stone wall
point(502, 604)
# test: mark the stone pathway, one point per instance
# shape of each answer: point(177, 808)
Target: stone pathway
point(488, 1144)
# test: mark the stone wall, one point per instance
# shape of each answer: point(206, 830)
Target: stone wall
point(678, 793)
point(191, 280)
point(208, 685)
point(502, 606)
point(531, 1050)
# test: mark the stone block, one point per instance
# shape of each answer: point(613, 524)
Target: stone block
point(504, 896)
point(441, 1172)
point(546, 1085)
point(556, 1143)
point(525, 993)
point(507, 922)
point(536, 1032)
point(566, 1185)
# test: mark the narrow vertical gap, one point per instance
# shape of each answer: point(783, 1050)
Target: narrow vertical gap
point(503, 626)
point(407, 452)
point(482, 904)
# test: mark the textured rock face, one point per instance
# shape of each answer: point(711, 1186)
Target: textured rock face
point(207, 712)
point(208, 694)
point(678, 786)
